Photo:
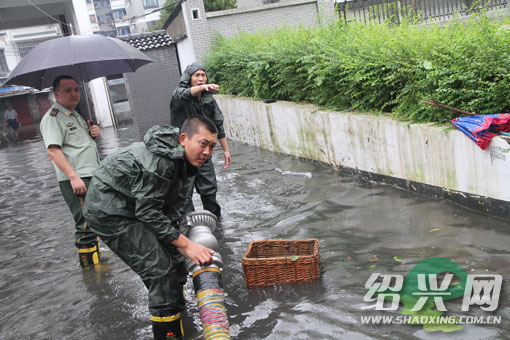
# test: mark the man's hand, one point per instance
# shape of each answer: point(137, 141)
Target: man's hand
point(58, 157)
point(194, 251)
point(226, 152)
point(228, 159)
point(79, 187)
point(94, 130)
point(211, 87)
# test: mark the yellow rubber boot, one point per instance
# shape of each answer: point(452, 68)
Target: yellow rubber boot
point(167, 327)
point(88, 256)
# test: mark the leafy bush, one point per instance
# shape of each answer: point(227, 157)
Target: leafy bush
point(369, 67)
point(209, 6)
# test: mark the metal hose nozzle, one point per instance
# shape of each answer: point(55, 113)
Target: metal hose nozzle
point(199, 227)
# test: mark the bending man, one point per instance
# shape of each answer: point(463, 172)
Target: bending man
point(134, 202)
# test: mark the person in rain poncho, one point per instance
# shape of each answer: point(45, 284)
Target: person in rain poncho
point(134, 202)
point(193, 96)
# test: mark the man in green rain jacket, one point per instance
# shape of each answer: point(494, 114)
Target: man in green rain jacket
point(134, 201)
point(193, 96)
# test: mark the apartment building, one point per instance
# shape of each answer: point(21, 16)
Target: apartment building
point(123, 17)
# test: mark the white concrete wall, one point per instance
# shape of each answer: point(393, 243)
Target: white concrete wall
point(101, 102)
point(97, 86)
point(422, 153)
point(186, 54)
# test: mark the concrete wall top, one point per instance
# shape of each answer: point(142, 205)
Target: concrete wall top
point(423, 153)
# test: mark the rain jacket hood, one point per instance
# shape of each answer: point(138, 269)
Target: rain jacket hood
point(186, 80)
point(188, 72)
point(146, 182)
point(163, 140)
point(184, 105)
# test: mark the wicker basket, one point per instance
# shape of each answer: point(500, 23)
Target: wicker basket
point(272, 262)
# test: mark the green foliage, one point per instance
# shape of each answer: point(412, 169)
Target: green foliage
point(219, 5)
point(165, 13)
point(210, 6)
point(352, 66)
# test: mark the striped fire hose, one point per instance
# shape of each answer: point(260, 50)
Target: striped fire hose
point(207, 279)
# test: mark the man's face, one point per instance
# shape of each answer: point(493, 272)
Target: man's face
point(199, 148)
point(68, 94)
point(198, 78)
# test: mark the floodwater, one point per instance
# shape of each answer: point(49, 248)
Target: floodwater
point(363, 228)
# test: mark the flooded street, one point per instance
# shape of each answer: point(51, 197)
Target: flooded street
point(363, 228)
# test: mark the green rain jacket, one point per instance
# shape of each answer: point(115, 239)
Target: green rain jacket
point(145, 182)
point(183, 104)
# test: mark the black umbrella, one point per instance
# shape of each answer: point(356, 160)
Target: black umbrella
point(84, 57)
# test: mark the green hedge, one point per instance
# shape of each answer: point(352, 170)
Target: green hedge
point(374, 68)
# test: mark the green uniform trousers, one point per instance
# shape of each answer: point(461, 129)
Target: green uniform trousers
point(161, 267)
point(84, 238)
point(207, 187)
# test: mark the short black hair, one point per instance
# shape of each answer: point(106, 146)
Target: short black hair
point(56, 82)
point(192, 124)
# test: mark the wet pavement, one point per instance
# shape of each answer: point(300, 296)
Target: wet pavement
point(362, 227)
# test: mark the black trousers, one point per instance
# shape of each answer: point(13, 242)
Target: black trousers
point(207, 187)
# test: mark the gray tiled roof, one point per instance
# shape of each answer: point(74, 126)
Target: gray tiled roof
point(148, 40)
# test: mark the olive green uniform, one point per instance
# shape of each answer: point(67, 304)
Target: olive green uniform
point(134, 201)
point(68, 130)
point(182, 106)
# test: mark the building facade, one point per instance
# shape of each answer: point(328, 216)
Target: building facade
point(150, 88)
point(123, 17)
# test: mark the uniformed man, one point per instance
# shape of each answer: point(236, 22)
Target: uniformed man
point(69, 140)
point(193, 96)
point(135, 200)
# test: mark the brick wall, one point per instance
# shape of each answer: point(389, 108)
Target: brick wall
point(266, 19)
point(202, 27)
point(150, 88)
point(198, 29)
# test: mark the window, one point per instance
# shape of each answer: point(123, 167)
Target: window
point(3, 63)
point(89, 1)
point(150, 4)
point(101, 19)
point(195, 13)
point(119, 14)
point(152, 23)
point(93, 19)
point(97, 4)
point(106, 3)
point(123, 31)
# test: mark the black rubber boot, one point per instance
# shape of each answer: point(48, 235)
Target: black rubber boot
point(167, 328)
point(210, 204)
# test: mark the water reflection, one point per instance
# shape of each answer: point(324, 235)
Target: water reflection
point(44, 293)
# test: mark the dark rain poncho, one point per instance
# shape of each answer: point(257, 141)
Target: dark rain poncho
point(133, 201)
point(183, 104)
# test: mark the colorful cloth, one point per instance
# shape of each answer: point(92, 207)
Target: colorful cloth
point(482, 128)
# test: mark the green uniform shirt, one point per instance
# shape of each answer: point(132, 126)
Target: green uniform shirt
point(70, 131)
